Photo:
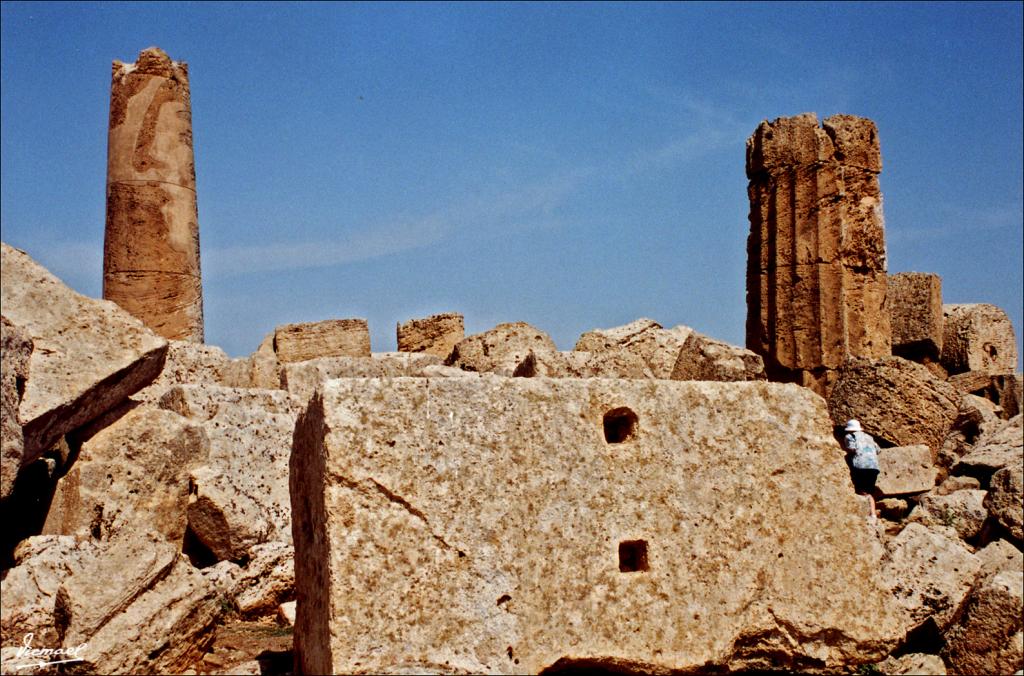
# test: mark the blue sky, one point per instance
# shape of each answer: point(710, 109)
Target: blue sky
point(569, 165)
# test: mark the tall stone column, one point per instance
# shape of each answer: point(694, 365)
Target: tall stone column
point(816, 271)
point(151, 247)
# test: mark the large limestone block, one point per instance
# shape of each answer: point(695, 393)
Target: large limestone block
point(89, 355)
point(15, 353)
point(156, 618)
point(501, 350)
point(895, 400)
point(1002, 447)
point(29, 588)
point(187, 363)
point(436, 334)
point(963, 511)
point(658, 347)
point(329, 338)
point(151, 245)
point(262, 583)
point(132, 476)
point(988, 639)
point(241, 494)
point(503, 525)
point(978, 337)
point(610, 363)
point(1005, 500)
point(905, 470)
point(931, 573)
point(704, 358)
point(302, 378)
point(915, 313)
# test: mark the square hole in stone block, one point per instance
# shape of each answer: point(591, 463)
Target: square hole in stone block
point(633, 556)
point(620, 425)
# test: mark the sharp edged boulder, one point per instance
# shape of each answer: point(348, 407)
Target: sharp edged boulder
point(507, 349)
point(659, 348)
point(505, 525)
point(89, 356)
point(15, 353)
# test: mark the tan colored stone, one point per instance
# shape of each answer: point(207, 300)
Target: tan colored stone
point(704, 358)
point(913, 664)
point(963, 511)
point(151, 248)
point(329, 338)
point(436, 334)
point(659, 348)
point(501, 350)
point(1002, 447)
point(816, 282)
point(1005, 500)
point(610, 363)
point(15, 353)
point(186, 364)
point(461, 524)
point(988, 639)
point(915, 312)
point(241, 494)
point(931, 573)
point(957, 483)
point(978, 337)
point(1011, 394)
point(29, 589)
point(262, 583)
point(89, 355)
point(286, 614)
point(905, 470)
point(998, 556)
point(132, 476)
point(895, 400)
point(302, 378)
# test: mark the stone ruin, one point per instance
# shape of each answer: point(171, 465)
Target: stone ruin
point(648, 502)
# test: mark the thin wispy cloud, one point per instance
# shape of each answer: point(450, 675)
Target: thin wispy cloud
point(961, 221)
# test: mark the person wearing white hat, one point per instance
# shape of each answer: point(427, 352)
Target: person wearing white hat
point(864, 461)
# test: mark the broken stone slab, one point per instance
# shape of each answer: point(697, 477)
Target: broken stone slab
point(913, 664)
point(262, 583)
point(436, 334)
point(914, 302)
point(659, 348)
point(1003, 447)
point(977, 419)
point(163, 629)
point(328, 338)
point(89, 356)
point(978, 337)
point(132, 476)
point(240, 495)
point(704, 358)
point(931, 573)
point(1011, 394)
point(302, 378)
point(964, 511)
point(187, 363)
point(905, 470)
point(473, 522)
point(29, 588)
point(895, 400)
point(988, 639)
point(1000, 555)
point(611, 363)
point(1005, 500)
point(15, 353)
point(957, 483)
point(502, 350)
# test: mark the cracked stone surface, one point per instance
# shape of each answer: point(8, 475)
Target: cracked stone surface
point(498, 525)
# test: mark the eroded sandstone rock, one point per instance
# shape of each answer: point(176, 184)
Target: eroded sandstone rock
point(501, 525)
point(988, 639)
point(241, 493)
point(816, 268)
point(1005, 500)
point(259, 586)
point(704, 358)
point(659, 348)
point(896, 400)
point(15, 352)
point(131, 477)
point(302, 378)
point(1002, 447)
point(978, 337)
point(151, 246)
point(931, 574)
point(915, 312)
point(502, 350)
point(329, 338)
point(89, 355)
point(905, 470)
point(963, 511)
point(187, 363)
point(436, 334)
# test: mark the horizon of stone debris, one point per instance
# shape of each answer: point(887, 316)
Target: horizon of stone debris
point(651, 501)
